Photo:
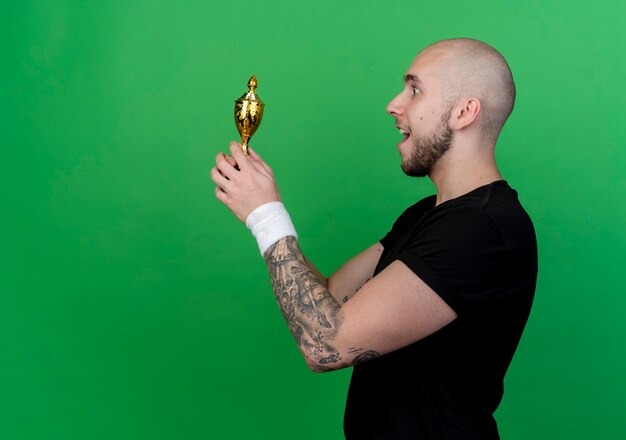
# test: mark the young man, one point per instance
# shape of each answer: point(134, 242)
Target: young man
point(443, 298)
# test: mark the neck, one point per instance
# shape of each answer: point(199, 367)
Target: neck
point(461, 171)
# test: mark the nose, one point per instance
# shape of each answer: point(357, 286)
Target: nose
point(394, 108)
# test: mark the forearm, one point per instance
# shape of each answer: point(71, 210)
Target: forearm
point(312, 314)
point(317, 273)
point(246, 185)
point(352, 275)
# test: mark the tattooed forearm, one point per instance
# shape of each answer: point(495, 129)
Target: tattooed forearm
point(311, 312)
point(365, 356)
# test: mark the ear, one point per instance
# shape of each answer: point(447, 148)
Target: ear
point(464, 113)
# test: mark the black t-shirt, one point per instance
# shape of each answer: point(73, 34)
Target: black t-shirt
point(478, 252)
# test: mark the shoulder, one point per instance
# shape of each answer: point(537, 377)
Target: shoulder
point(490, 210)
point(486, 227)
point(417, 210)
point(475, 249)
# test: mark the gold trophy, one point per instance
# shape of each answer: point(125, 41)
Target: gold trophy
point(248, 114)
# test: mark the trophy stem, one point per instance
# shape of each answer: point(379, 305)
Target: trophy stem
point(244, 144)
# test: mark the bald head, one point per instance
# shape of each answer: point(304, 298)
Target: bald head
point(471, 68)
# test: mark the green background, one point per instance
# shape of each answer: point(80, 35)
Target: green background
point(133, 305)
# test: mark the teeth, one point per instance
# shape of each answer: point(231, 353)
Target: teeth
point(403, 131)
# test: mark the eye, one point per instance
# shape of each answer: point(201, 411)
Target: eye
point(415, 90)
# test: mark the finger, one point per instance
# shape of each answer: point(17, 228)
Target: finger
point(235, 150)
point(227, 157)
point(255, 156)
point(219, 179)
point(220, 156)
point(226, 169)
point(221, 195)
point(256, 165)
point(230, 160)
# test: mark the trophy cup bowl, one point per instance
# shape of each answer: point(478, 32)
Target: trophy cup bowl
point(248, 113)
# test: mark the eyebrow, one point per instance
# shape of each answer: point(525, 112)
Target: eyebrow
point(411, 78)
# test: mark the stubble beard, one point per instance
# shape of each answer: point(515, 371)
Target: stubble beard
point(427, 150)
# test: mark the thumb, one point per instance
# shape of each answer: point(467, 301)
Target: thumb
point(255, 156)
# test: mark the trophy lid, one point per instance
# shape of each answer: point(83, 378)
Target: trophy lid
point(250, 95)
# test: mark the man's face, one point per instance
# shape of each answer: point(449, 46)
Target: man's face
point(422, 115)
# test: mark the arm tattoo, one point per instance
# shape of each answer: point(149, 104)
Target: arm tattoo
point(312, 314)
point(365, 356)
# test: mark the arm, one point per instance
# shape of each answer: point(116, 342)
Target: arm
point(350, 277)
point(392, 310)
point(345, 282)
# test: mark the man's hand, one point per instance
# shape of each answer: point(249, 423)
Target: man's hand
point(243, 183)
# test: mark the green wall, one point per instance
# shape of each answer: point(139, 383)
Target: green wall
point(134, 306)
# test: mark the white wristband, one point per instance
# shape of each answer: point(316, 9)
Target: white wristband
point(269, 223)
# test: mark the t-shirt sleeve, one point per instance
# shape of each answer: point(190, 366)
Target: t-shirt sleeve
point(391, 236)
point(385, 240)
point(463, 258)
point(405, 220)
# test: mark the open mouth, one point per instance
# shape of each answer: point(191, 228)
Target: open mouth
point(404, 132)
